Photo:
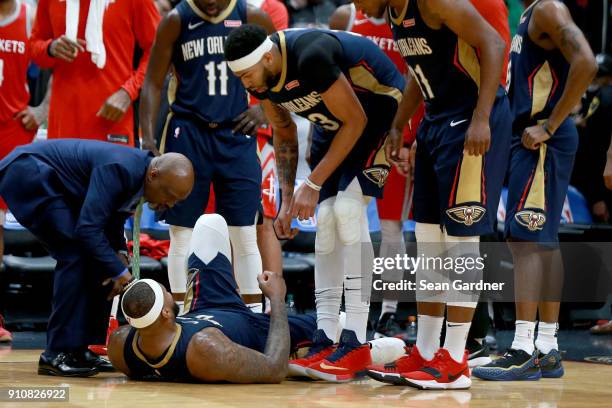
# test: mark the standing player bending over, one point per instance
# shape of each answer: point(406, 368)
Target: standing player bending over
point(456, 61)
point(219, 339)
point(551, 67)
point(350, 90)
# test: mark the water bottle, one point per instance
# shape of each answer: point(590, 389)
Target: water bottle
point(291, 305)
point(411, 330)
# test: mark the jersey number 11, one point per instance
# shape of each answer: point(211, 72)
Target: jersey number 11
point(212, 70)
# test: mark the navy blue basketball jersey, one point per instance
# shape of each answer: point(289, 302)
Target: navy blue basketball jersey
point(536, 78)
point(372, 75)
point(446, 67)
point(203, 85)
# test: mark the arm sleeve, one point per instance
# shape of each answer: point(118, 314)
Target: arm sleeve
point(145, 21)
point(105, 192)
point(42, 36)
point(319, 61)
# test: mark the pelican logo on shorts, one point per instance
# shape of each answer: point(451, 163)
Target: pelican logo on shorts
point(532, 220)
point(377, 175)
point(466, 214)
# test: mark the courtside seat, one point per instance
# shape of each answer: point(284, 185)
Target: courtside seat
point(27, 265)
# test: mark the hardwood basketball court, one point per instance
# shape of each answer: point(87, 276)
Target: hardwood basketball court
point(584, 385)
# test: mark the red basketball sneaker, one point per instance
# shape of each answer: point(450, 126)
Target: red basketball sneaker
point(5, 335)
point(441, 373)
point(348, 362)
point(391, 373)
point(321, 347)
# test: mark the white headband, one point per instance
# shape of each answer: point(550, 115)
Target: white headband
point(252, 58)
point(151, 316)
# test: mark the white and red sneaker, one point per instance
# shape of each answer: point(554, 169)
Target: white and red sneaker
point(441, 373)
point(346, 363)
point(5, 335)
point(392, 373)
point(321, 347)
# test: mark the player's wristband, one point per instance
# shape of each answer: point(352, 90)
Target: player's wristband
point(546, 129)
point(116, 278)
point(312, 185)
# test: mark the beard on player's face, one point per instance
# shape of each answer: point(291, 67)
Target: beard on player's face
point(175, 309)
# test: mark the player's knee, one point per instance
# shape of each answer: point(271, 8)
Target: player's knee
point(427, 232)
point(326, 230)
point(348, 213)
point(210, 236)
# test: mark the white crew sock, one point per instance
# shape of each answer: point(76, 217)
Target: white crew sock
point(523, 336)
point(456, 336)
point(428, 335)
point(388, 306)
point(547, 337)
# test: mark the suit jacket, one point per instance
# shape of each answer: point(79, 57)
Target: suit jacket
point(101, 182)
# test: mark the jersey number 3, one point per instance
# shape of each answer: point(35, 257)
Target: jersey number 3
point(212, 70)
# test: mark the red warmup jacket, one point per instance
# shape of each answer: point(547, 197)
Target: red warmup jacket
point(79, 89)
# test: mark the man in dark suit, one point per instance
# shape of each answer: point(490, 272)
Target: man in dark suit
point(75, 195)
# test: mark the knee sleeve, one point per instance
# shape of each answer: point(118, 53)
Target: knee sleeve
point(326, 229)
point(180, 238)
point(210, 236)
point(247, 260)
point(462, 248)
point(348, 214)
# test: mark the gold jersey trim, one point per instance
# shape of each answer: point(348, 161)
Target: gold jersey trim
point(283, 51)
point(214, 20)
point(167, 355)
point(363, 78)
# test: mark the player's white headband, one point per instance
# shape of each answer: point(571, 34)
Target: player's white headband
point(151, 316)
point(252, 58)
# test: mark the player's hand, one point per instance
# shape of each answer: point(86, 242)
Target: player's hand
point(250, 120)
point(608, 173)
point(151, 146)
point(28, 119)
point(115, 106)
point(65, 49)
point(533, 137)
point(118, 285)
point(282, 224)
point(404, 164)
point(304, 202)
point(600, 211)
point(477, 138)
point(393, 146)
point(272, 285)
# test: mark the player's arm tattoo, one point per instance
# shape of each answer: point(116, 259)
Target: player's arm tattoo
point(285, 146)
point(286, 152)
point(570, 35)
point(212, 356)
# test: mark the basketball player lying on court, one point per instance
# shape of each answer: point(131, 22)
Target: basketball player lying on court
point(219, 338)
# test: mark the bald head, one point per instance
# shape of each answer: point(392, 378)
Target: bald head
point(169, 180)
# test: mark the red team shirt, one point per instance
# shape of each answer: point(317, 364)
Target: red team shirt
point(79, 88)
point(14, 93)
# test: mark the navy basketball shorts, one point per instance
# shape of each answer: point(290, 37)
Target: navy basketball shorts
point(457, 191)
point(537, 185)
point(219, 156)
point(367, 160)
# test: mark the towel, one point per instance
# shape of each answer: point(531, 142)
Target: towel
point(93, 30)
